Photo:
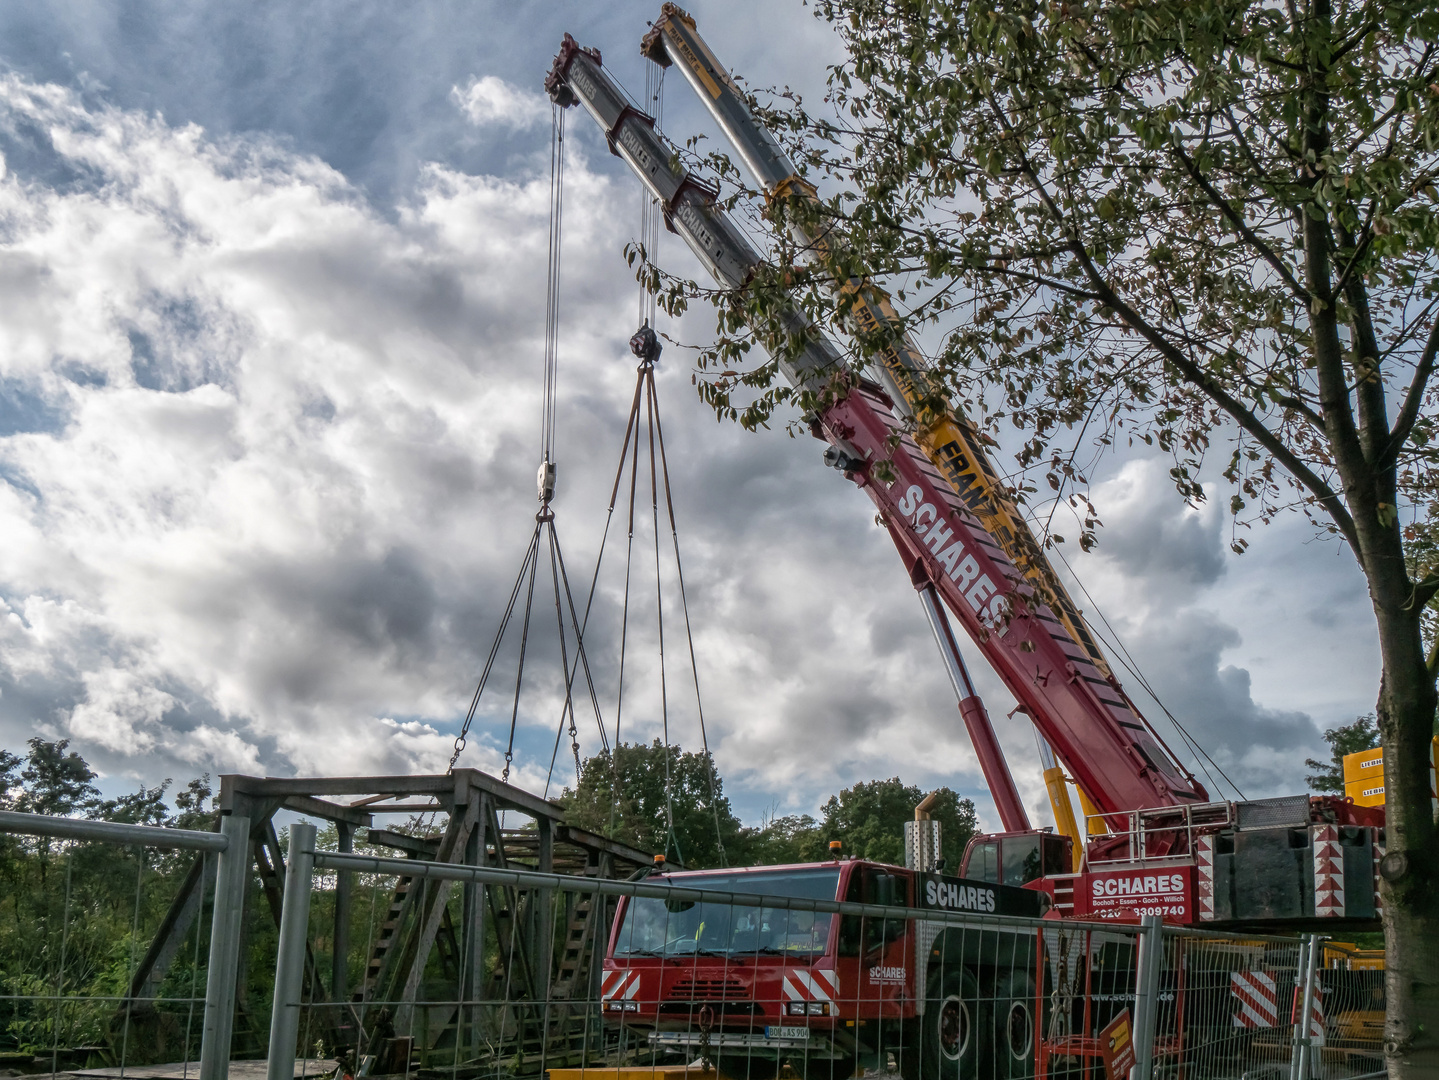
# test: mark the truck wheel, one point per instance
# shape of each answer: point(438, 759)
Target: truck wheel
point(747, 1066)
point(943, 1044)
point(1013, 1020)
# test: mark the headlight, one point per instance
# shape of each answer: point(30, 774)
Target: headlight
point(807, 1008)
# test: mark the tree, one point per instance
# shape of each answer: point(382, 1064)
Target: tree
point(75, 932)
point(658, 798)
point(793, 838)
point(191, 811)
point(9, 780)
point(868, 819)
point(55, 782)
point(143, 807)
point(1349, 739)
point(1176, 223)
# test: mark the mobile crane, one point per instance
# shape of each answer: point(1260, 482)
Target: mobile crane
point(1176, 821)
point(1254, 862)
point(1167, 849)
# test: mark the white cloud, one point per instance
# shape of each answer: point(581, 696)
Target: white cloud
point(488, 100)
point(275, 478)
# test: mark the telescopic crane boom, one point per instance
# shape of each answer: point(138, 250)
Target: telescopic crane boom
point(1108, 747)
point(942, 431)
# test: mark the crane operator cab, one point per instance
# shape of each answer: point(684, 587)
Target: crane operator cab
point(1016, 858)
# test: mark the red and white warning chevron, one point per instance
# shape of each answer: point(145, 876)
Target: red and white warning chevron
point(1328, 872)
point(1316, 1011)
point(1204, 864)
point(1258, 999)
point(621, 983)
point(819, 985)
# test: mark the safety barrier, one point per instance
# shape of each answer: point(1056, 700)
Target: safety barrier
point(79, 988)
point(474, 970)
point(754, 982)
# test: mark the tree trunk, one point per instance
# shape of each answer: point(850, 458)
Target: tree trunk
point(1410, 873)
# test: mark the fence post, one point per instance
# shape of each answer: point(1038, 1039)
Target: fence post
point(1146, 995)
point(290, 961)
point(1299, 1060)
point(232, 873)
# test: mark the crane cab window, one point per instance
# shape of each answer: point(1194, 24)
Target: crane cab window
point(862, 935)
point(1017, 860)
point(1056, 854)
point(1021, 859)
point(983, 864)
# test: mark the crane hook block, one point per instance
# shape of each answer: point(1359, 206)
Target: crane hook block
point(545, 481)
point(646, 344)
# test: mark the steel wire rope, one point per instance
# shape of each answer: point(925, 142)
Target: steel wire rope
point(1132, 666)
point(567, 709)
point(689, 632)
point(581, 657)
point(460, 739)
point(524, 646)
point(650, 218)
point(660, 622)
point(649, 312)
point(552, 290)
point(1116, 644)
point(624, 634)
point(545, 517)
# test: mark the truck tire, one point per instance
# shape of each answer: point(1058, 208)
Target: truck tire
point(1013, 1025)
point(944, 1043)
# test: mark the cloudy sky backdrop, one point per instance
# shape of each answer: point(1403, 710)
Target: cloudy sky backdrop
point(271, 325)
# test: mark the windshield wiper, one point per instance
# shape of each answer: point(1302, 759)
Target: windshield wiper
point(640, 952)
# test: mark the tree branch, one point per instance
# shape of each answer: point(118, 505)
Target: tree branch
point(1240, 225)
point(1413, 401)
point(1245, 418)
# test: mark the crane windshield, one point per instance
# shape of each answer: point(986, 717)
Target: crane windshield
point(677, 927)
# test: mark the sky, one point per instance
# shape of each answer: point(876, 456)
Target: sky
point(272, 322)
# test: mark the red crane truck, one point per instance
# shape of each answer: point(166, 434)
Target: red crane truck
point(749, 983)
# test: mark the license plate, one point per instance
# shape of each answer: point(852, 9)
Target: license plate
point(786, 1033)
